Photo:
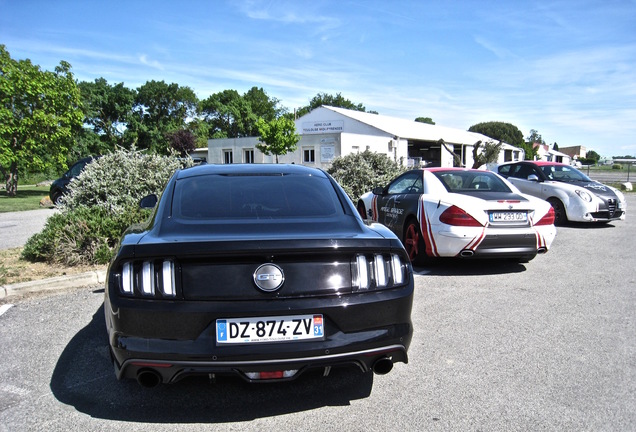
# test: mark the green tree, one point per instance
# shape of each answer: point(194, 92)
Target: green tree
point(591, 154)
point(426, 120)
point(505, 132)
point(485, 153)
point(534, 137)
point(262, 105)
point(278, 137)
point(500, 131)
point(107, 109)
point(330, 100)
point(160, 109)
point(229, 115)
point(38, 112)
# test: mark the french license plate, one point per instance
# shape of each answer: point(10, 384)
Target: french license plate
point(509, 216)
point(269, 329)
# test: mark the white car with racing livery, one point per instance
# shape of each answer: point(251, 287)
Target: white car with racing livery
point(463, 213)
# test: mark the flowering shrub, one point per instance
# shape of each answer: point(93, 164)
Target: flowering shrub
point(102, 202)
point(358, 173)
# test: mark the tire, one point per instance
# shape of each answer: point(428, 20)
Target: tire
point(55, 197)
point(560, 217)
point(414, 242)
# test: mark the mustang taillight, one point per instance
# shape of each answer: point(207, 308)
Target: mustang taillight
point(548, 219)
point(458, 217)
point(377, 271)
point(148, 278)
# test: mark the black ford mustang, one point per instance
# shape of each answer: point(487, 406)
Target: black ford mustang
point(261, 271)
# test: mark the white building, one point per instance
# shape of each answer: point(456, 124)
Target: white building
point(545, 153)
point(329, 132)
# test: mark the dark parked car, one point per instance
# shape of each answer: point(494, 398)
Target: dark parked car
point(60, 186)
point(257, 270)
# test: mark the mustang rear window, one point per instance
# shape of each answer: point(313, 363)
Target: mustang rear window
point(254, 197)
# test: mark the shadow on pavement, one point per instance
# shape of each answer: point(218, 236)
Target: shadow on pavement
point(469, 267)
point(84, 378)
point(589, 225)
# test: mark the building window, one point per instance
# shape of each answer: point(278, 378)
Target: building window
point(248, 156)
point(508, 156)
point(227, 156)
point(309, 156)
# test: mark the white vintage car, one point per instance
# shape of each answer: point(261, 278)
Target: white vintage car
point(574, 196)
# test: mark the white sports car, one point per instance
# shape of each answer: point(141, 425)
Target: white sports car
point(457, 212)
point(574, 196)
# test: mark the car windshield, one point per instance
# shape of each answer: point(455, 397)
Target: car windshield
point(564, 173)
point(471, 181)
point(254, 197)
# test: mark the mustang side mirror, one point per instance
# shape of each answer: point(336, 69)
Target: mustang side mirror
point(378, 191)
point(533, 177)
point(149, 201)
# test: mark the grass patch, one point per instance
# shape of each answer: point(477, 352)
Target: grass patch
point(28, 198)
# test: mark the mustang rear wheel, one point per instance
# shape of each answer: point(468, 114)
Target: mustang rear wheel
point(560, 217)
point(413, 242)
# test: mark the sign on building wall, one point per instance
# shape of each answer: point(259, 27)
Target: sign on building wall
point(327, 153)
point(318, 127)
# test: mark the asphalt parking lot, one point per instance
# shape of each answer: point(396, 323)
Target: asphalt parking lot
point(548, 345)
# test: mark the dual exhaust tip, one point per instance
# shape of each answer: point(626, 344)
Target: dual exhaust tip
point(150, 378)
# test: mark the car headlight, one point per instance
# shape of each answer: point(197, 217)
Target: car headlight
point(584, 195)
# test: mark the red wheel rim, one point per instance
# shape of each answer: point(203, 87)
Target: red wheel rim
point(412, 241)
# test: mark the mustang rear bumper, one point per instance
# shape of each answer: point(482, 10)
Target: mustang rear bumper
point(173, 371)
point(172, 340)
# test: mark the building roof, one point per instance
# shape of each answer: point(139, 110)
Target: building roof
point(409, 129)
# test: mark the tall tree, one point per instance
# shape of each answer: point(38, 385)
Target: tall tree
point(331, 100)
point(499, 131)
point(229, 115)
point(591, 154)
point(107, 109)
point(159, 110)
point(504, 132)
point(534, 137)
point(262, 105)
point(38, 112)
point(278, 137)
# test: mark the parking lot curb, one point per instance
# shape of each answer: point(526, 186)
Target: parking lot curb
point(97, 277)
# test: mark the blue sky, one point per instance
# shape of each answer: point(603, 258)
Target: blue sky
point(564, 68)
